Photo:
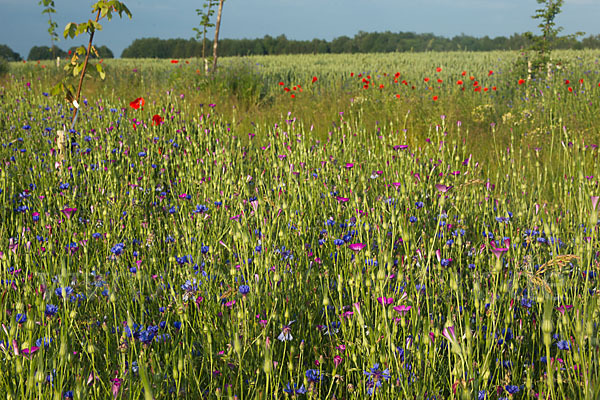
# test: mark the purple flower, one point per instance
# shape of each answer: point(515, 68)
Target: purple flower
point(443, 188)
point(356, 247)
point(386, 301)
point(69, 211)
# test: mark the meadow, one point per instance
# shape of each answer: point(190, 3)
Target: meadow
point(420, 226)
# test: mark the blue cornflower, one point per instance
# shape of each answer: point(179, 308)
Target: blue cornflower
point(68, 291)
point(419, 204)
point(21, 318)
point(512, 389)
point(338, 242)
point(117, 249)
point(295, 389)
point(45, 341)
point(376, 377)
point(563, 344)
point(313, 375)
point(412, 219)
point(244, 289)
point(51, 309)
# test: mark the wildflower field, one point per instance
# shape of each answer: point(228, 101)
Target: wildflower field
point(341, 227)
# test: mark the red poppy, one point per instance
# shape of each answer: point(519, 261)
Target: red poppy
point(472, 78)
point(521, 81)
point(494, 88)
point(567, 81)
point(475, 83)
point(287, 89)
point(397, 75)
point(351, 74)
point(490, 73)
point(174, 61)
point(381, 86)
point(294, 88)
point(406, 83)
point(570, 89)
point(281, 83)
point(368, 76)
point(314, 79)
point(485, 89)
point(477, 89)
point(137, 103)
point(581, 81)
point(464, 73)
point(440, 81)
point(398, 96)
point(438, 69)
point(459, 82)
point(426, 79)
point(435, 98)
point(157, 120)
point(293, 96)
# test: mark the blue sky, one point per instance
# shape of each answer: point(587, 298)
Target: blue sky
point(22, 25)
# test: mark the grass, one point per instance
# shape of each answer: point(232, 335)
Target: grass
point(344, 243)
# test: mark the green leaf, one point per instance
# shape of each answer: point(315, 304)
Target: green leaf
point(70, 30)
point(57, 89)
point(100, 71)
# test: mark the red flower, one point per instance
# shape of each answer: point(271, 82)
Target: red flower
point(459, 82)
point(293, 96)
point(174, 61)
point(494, 88)
point(406, 83)
point(521, 81)
point(485, 89)
point(472, 78)
point(475, 83)
point(464, 73)
point(440, 81)
point(397, 75)
point(137, 103)
point(477, 89)
point(570, 89)
point(490, 73)
point(351, 74)
point(381, 86)
point(287, 89)
point(426, 79)
point(567, 81)
point(398, 96)
point(281, 83)
point(314, 79)
point(435, 98)
point(157, 120)
point(438, 69)
point(581, 81)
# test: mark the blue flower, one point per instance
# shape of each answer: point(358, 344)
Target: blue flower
point(512, 389)
point(563, 344)
point(68, 291)
point(295, 389)
point(244, 289)
point(313, 375)
point(51, 309)
point(21, 318)
point(376, 377)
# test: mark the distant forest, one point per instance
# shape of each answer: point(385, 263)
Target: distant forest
point(362, 42)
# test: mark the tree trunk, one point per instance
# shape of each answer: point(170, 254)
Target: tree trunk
point(216, 43)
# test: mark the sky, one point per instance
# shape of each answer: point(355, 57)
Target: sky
point(22, 25)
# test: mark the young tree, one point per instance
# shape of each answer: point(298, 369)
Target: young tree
point(205, 23)
point(52, 25)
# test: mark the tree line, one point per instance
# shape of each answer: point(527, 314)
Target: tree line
point(37, 53)
point(363, 42)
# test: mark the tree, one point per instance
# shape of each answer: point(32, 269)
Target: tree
point(205, 23)
point(216, 42)
point(8, 54)
point(38, 53)
point(543, 43)
point(52, 25)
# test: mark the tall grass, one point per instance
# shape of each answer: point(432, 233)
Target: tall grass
point(345, 243)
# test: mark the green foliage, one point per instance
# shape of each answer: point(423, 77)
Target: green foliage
point(101, 51)
point(205, 13)
point(8, 54)
point(75, 68)
point(384, 42)
point(52, 25)
point(38, 53)
point(3, 66)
